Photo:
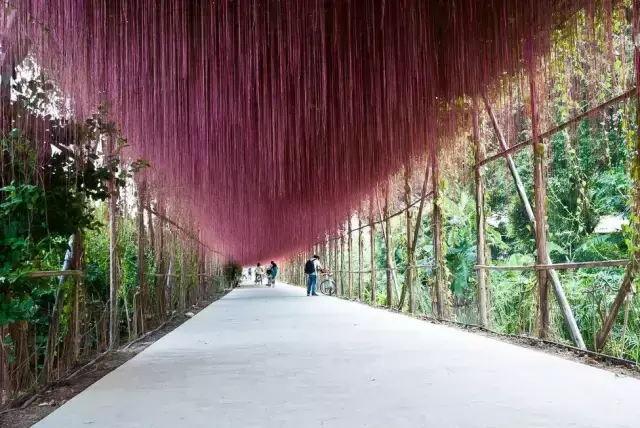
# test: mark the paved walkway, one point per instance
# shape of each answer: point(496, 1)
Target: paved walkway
point(276, 358)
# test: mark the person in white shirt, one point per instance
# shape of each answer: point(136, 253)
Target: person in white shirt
point(259, 273)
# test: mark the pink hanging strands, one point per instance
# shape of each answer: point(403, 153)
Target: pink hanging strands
point(268, 121)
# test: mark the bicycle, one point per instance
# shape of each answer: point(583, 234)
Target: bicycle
point(258, 279)
point(271, 281)
point(328, 285)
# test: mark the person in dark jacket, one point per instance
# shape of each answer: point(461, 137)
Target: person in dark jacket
point(272, 272)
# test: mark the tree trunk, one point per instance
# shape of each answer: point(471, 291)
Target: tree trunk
point(480, 222)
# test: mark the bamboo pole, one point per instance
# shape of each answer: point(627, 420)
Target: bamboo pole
point(610, 320)
point(510, 163)
point(417, 202)
point(113, 236)
point(55, 312)
point(408, 279)
point(373, 252)
point(335, 264)
point(387, 242)
point(169, 284)
point(52, 273)
point(138, 311)
point(349, 257)
point(360, 255)
point(557, 266)
point(437, 238)
point(540, 194)
point(183, 281)
point(341, 285)
point(552, 275)
point(412, 239)
point(517, 147)
point(384, 227)
point(633, 266)
point(180, 228)
point(480, 221)
point(78, 261)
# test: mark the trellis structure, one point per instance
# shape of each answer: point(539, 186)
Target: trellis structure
point(535, 212)
point(223, 97)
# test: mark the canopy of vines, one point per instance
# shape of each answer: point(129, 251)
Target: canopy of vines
point(268, 121)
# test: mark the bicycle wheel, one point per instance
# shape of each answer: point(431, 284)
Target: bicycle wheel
point(327, 287)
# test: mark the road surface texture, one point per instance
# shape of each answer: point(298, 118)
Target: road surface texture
point(275, 358)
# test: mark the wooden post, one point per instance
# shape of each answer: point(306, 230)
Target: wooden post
point(412, 238)
point(387, 239)
point(341, 286)
point(372, 227)
point(169, 284)
point(480, 221)
point(510, 163)
point(138, 310)
point(159, 283)
point(540, 193)
point(552, 275)
point(336, 262)
point(408, 280)
point(360, 255)
point(633, 266)
point(625, 288)
point(77, 265)
point(349, 257)
point(113, 236)
point(183, 281)
point(437, 236)
point(50, 347)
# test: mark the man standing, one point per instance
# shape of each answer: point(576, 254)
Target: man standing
point(311, 269)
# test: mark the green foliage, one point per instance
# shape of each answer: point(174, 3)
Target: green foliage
point(35, 229)
point(232, 273)
point(460, 231)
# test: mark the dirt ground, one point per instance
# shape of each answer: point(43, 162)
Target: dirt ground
point(616, 365)
point(63, 391)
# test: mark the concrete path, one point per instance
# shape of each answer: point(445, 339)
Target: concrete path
point(276, 358)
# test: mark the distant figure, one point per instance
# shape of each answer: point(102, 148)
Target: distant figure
point(259, 273)
point(311, 269)
point(250, 272)
point(272, 272)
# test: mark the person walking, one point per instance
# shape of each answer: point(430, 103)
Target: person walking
point(259, 273)
point(272, 272)
point(311, 268)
